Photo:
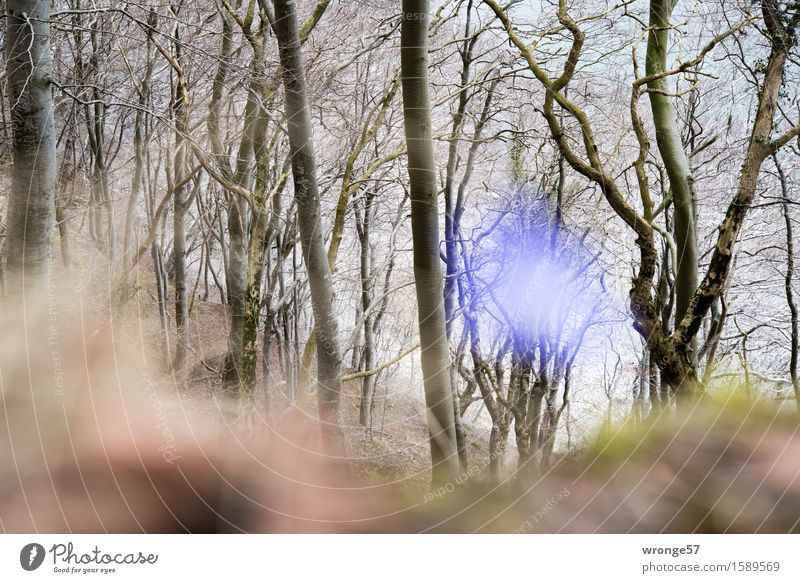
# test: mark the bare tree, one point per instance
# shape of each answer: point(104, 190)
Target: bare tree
point(425, 228)
point(673, 352)
point(676, 161)
point(306, 192)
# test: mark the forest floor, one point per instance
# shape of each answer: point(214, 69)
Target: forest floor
point(398, 453)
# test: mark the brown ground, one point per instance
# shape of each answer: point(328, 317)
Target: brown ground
point(398, 452)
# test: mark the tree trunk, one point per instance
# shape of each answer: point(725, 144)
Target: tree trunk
point(236, 272)
point(235, 256)
point(31, 204)
point(306, 192)
point(677, 369)
point(180, 108)
point(498, 442)
point(263, 227)
point(363, 225)
point(788, 288)
point(140, 142)
point(674, 157)
point(521, 410)
point(425, 233)
point(451, 220)
point(66, 176)
point(659, 398)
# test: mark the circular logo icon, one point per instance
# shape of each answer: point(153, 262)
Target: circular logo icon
point(31, 556)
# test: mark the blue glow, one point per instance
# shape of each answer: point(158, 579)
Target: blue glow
point(542, 283)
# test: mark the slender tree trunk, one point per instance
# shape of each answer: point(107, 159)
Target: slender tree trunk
point(356, 356)
point(498, 442)
point(66, 176)
point(499, 413)
point(270, 321)
point(140, 141)
point(521, 410)
point(180, 107)
point(789, 278)
point(555, 419)
point(242, 227)
point(535, 414)
point(162, 290)
point(425, 233)
point(451, 220)
point(235, 255)
point(659, 398)
point(236, 272)
point(255, 239)
point(31, 204)
point(262, 232)
point(674, 157)
point(549, 423)
point(368, 382)
point(306, 191)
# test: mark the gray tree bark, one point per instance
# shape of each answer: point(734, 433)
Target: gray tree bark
point(140, 143)
point(236, 273)
point(425, 233)
point(452, 210)
point(363, 226)
point(304, 172)
point(674, 156)
point(180, 108)
point(32, 201)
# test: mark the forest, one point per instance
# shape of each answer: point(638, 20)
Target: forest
point(450, 245)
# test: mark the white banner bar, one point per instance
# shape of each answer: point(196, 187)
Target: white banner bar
point(400, 558)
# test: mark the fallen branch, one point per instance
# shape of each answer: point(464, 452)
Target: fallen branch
point(387, 364)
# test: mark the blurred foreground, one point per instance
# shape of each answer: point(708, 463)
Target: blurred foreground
point(93, 440)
